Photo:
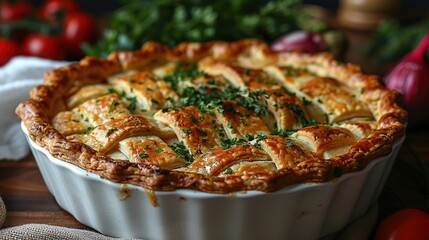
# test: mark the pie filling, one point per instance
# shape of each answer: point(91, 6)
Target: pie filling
point(219, 115)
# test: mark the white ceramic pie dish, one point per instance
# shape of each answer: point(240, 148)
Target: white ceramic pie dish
point(302, 211)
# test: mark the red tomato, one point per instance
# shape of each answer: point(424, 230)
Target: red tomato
point(55, 10)
point(43, 46)
point(8, 49)
point(407, 224)
point(14, 10)
point(78, 28)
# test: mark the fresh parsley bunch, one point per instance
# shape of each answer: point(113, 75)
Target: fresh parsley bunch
point(173, 21)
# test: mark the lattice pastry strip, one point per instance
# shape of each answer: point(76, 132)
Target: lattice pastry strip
point(240, 77)
point(89, 114)
point(249, 168)
point(144, 91)
point(285, 152)
point(288, 111)
point(71, 122)
point(239, 122)
point(103, 109)
point(360, 129)
point(338, 102)
point(289, 77)
point(200, 132)
point(219, 160)
point(150, 150)
point(325, 141)
point(87, 93)
point(106, 136)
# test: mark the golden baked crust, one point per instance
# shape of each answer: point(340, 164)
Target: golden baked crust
point(216, 117)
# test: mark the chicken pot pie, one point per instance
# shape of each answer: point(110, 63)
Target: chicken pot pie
point(215, 117)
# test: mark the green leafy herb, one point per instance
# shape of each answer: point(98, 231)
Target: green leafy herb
point(227, 143)
point(172, 22)
point(259, 138)
point(306, 101)
point(291, 72)
point(286, 132)
point(392, 41)
point(143, 155)
point(182, 74)
point(187, 130)
point(180, 149)
point(110, 131)
point(112, 105)
point(88, 130)
point(228, 171)
point(132, 105)
point(201, 132)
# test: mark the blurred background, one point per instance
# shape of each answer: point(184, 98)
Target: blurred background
point(384, 30)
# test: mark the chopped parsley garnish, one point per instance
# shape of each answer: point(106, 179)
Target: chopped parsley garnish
point(259, 138)
point(112, 105)
point(209, 101)
point(306, 101)
point(187, 130)
point(74, 120)
point(201, 132)
point(180, 149)
point(133, 101)
point(111, 90)
point(158, 150)
point(211, 82)
point(183, 74)
point(286, 132)
point(245, 71)
point(326, 118)
point(228, 171)
point(221, 135)
point(289, 143)
point(88, 130)
point(110, 131)
point(143, 155)
point(131, 80)
point(227, 143)
point(278, 104)
point(290, 72)
point(193, 119)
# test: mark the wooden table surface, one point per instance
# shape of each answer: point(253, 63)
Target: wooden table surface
point(28, 200)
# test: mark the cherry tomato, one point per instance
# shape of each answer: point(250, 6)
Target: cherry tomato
point(56, 10)
point(407, 224)
point(8, 49)
point(78, 28)
point(14, 10)
point(43, 46)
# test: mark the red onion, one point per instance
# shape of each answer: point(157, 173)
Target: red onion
point(300, 40)
point(411, 77)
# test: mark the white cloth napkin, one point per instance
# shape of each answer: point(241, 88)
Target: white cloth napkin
point(16, 79)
